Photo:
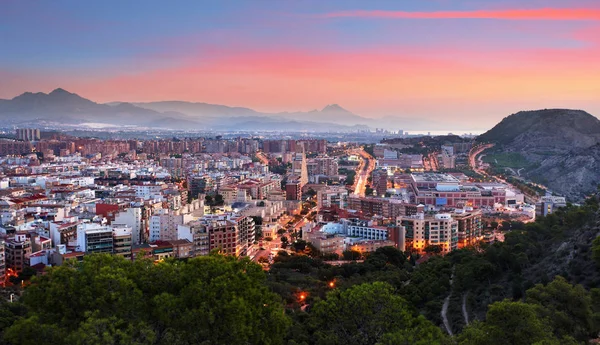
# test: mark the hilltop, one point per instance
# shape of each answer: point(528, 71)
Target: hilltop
point(557, 147)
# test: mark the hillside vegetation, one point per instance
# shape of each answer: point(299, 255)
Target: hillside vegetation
point(556, 147)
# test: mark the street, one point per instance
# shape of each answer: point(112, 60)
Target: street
point(364, 170)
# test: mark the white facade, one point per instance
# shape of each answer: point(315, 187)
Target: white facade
point(131, 217)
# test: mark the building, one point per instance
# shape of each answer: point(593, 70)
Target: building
point(332, 196)
point(230, 234)
point(548, 204)
point(131, 217)
point(163, 224)
point(379, 179)
point(385, 207)
point(94, 238)
point(196, 233)
point(200, 185)
point(321, 166)
point(17, 250)
point(437, 230)
point(182, 248)
point(122, 241)
point(2, 262)
point(445, 190)
point(470, 226)
point(293, 188)
point(28, 134)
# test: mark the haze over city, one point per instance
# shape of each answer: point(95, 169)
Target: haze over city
point(452, 62)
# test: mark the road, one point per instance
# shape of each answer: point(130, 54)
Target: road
point(272, 247)
point(473, 162)
point(364, 170)
point(262, 157)
point(430, 162)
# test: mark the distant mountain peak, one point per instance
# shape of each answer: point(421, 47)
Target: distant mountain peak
point(334, 107)
point(59, 91)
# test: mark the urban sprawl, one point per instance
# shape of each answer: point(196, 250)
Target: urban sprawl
point(64, 197)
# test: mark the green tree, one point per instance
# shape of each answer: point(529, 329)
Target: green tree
point(368, 314)
point(596, 250)
point(567, 307)
point(351, 255)
point(433, 249)
point(110, 300)
point(507, 322)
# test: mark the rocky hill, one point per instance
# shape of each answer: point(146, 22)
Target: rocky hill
point(561, 146)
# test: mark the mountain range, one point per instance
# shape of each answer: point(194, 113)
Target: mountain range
point(560, 148)
point(61, 106)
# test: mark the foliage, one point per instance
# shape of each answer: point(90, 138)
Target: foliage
point(367, 314)
point(507, 322)
point(596, 250)
point(351, 255)
point(109, 300)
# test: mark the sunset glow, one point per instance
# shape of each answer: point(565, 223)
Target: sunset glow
point(460, 60)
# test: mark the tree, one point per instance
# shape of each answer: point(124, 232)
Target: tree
point(494, 225)
point(284, 242)
point(567, 307)
point(368, 314)
point(507, 322)
point(351, 255)
point(596, 250)
point(391, 255)
point(299, 245)
point(110, 300)
point(433, 249)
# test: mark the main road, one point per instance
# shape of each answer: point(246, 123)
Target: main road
point(364, 170)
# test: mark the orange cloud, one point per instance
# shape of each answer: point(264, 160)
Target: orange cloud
point(525, 14)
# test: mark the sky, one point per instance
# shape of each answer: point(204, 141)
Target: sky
point(450, 61)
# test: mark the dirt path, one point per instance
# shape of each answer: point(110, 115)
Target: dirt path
point(464, 308)
point(445, 307)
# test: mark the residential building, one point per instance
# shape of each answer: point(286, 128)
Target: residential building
point(94, 238)
point(437, 230)
point(122, 240)
point(17, 250)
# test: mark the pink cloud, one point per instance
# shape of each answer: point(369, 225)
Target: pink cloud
point(513, 14)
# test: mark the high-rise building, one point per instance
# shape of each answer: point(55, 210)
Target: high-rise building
point(28, 134)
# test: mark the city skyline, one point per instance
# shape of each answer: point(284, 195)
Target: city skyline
point(461, 60)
